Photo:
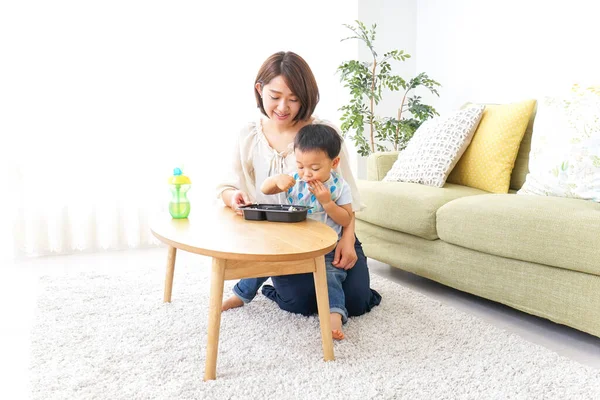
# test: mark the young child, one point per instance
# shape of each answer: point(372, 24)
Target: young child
point(316, 184)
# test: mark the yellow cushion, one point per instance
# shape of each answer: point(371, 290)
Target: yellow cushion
point(488, 161)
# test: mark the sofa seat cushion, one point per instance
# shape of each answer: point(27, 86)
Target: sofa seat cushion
point(554, 231)
point(407, 207)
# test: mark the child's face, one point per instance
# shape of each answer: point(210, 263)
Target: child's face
point(280, 104)
point(314, 165)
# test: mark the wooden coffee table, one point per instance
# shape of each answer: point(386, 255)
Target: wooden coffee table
point(248, 249)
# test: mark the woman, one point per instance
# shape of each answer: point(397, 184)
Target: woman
point(286, 93)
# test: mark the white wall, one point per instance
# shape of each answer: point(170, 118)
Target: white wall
point(504, 51)
point(396, 30)
point(151, 83)
point(101, 100)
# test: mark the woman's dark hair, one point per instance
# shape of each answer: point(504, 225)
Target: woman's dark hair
point(298, 77)
point(319, 137)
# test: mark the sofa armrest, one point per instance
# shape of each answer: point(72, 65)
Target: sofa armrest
point(378, 164)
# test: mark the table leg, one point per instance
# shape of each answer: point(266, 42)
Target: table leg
point(214, 317)
point(172, 252)
point(320, 276)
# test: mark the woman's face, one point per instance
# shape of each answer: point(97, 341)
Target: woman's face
point(280, 104)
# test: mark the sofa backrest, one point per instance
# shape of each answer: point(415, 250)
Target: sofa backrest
point(521, 168)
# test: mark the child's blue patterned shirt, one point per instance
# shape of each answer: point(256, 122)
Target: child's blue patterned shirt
point(340, 194)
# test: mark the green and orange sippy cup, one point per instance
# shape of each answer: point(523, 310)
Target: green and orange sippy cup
point(179, 206)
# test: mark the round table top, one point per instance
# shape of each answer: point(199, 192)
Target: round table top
point(219, 232)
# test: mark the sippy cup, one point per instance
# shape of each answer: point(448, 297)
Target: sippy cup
point(179, 207)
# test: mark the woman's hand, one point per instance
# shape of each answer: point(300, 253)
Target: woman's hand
point(239, 199)
point(345, 254)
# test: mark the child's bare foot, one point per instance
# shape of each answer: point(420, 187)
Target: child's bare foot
point(336, 326)
point(232, 302)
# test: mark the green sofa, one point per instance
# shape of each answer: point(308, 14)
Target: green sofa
point(537, 254)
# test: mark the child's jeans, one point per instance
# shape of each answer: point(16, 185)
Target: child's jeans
point(246, 289)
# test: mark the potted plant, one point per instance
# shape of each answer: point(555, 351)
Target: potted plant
point(367, 82)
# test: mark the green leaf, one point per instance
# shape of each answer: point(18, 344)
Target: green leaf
point(367, 85)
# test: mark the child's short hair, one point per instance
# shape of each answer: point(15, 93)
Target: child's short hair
point(319, 137)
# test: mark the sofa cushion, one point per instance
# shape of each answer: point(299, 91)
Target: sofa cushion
point(555, 231)
point(521, 168)
point(489, 160)
point(565, 148)
point(407, 207)
point(435, 148)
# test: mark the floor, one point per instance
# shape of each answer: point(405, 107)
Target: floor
point(19, 293)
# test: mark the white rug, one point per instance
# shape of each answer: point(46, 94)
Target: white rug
point(110, 336)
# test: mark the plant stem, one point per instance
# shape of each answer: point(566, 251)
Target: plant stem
point(372, 105)
point(398, 126)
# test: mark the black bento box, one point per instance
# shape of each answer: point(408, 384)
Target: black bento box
point(275, 212)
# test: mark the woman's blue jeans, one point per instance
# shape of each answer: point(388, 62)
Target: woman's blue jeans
point(296, 293)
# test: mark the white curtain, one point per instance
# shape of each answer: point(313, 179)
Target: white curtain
point(99, 101)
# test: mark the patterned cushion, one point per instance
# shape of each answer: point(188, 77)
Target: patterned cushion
point(565, 148)
point(488, 162)
point(435, 148)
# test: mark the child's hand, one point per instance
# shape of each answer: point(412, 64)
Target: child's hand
point(320, 191)
point(284, 182)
